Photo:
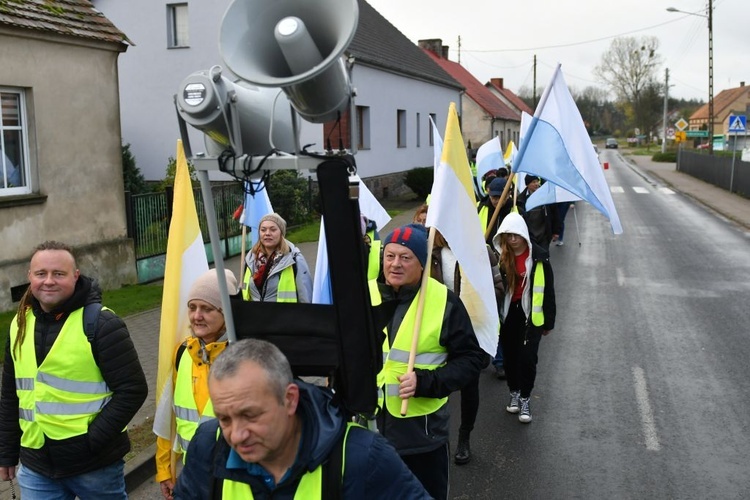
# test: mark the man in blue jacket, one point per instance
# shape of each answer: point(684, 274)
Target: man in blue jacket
point(282, 438)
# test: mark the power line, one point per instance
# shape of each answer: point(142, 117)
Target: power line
point(572, 44)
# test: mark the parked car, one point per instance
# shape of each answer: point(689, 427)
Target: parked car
point(611, 143)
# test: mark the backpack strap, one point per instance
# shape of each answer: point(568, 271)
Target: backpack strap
point(91, 314)
point(333, 472)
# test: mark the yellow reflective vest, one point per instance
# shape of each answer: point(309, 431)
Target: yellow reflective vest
point(286, 292)
point(429, 356)
point(537, 296)
point(187, 415)
point(59, 398)
point(373, 258)
point(310, 486)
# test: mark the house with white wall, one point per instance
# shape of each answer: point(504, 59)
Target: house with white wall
point(397, 87)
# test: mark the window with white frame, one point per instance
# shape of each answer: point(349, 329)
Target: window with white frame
point(14, 169)
point(401, 128)
point(177, 25)
point(363, 127)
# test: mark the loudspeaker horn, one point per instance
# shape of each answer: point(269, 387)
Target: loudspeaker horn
point(296, 45)
point(209, 102)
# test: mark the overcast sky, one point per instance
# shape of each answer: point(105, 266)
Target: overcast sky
point(500, 38)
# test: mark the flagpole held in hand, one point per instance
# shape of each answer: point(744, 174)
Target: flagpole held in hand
point(418, 318)
point(575, 217)
point(496, 213)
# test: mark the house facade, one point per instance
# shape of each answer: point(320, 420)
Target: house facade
point(397, 87)
point(484, 115)
point(735, 101)
point(61, 167)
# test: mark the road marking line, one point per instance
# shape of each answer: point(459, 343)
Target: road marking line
point(644, 407)
point(641, 190)
point(616, 189)
point(666, 191)
point(620, 276)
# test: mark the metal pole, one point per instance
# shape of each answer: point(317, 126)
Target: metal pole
point(213, 233)
point(734, 154)
point(710, 77)
point(666, 97)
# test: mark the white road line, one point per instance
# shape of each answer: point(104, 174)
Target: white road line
point(639, 189)
point(616, 189)
point(666, 191)
point(620, 276)
point(644, 407)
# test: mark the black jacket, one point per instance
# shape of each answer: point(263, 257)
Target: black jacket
point(465, 360)
point(118, 362)
point(543, 221)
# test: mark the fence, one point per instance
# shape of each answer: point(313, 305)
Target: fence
point(148, 217)
point(722, 171)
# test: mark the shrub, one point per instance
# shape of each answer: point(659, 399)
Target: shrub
point(667, 157)
point(420, 180)
point(289, 196)
point(131, 174)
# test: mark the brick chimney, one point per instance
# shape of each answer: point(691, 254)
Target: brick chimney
point(742, 84)
point(434, 45)
point(497, 82)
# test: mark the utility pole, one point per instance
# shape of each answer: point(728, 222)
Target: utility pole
point(666, 97)
point(710, 77)
point(533, 92)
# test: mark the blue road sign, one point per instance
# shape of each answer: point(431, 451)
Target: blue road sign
point(737, 124)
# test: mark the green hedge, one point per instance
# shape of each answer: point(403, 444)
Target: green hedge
point(668, 157)
point(420, 180)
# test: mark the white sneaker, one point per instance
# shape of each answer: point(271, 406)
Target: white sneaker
point(513, 404)
point(525, 415)
point(559, 243)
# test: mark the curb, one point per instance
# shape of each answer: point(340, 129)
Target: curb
point(140, 468)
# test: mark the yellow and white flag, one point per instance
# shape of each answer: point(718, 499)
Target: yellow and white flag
point(453, 212)
point(186, 260)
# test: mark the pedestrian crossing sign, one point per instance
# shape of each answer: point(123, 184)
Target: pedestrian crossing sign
point(737, 124)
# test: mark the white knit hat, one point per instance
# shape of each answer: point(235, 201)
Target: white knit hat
point(276, 219)
point(206, 287)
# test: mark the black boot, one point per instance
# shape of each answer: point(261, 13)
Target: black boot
point(463, 450)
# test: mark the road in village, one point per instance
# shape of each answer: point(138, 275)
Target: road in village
point(643, 385)
point(642, 389)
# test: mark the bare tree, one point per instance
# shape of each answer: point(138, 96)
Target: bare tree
point(629, 67)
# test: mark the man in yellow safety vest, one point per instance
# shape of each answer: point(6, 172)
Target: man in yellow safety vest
point(71, 384)
point(447, 358)
point(277, 437)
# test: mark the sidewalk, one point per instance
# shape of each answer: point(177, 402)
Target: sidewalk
point(731, 206)
point(144, 330)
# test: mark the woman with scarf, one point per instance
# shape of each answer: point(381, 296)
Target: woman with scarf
point(192, 362)
point(276, 269)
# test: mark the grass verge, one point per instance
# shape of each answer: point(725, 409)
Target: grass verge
point(141, 437)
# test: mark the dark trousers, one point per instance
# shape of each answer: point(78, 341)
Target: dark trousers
point(431, 468)
point(469, 405)
point(562, 210)
point(520, 349)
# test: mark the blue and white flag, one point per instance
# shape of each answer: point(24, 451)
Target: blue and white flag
point(256, 206)
point(489, 157)
point(557, 148)
point(549, 193)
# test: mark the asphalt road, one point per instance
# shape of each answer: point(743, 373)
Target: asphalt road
point(642, 389)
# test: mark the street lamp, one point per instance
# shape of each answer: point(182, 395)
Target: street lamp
point(709, 16)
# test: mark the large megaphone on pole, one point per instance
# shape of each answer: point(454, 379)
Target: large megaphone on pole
point(295, 45)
